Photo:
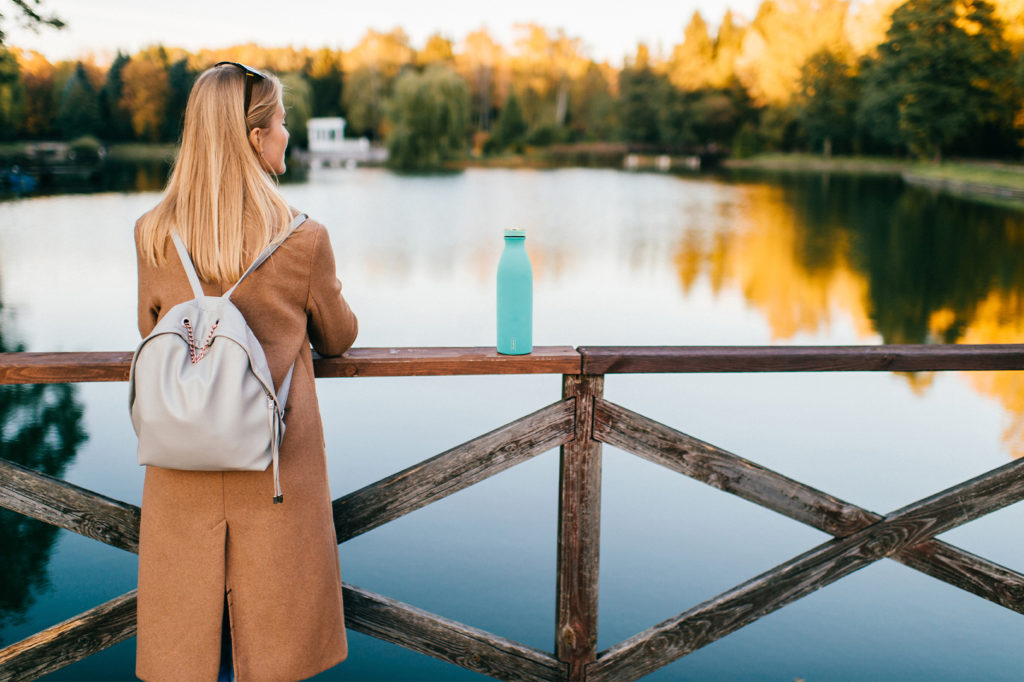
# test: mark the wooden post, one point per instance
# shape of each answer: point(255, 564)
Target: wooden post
point(579, 531)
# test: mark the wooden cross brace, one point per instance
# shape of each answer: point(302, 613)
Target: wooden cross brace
point(862, 538)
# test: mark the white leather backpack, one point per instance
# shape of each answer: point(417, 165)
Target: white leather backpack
point(200, 392)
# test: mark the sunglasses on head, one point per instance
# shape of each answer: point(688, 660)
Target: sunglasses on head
point(251, 75)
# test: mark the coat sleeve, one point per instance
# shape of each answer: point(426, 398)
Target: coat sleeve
point(149, 309)
point(332, 325)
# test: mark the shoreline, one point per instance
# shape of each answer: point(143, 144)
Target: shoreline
point(990, 181)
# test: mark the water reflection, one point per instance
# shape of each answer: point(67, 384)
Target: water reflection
point(149, 175)
point(900, 263)
point(40, 428)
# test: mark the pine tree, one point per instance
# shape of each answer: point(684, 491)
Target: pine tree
point(78, 112)
point(511, 125)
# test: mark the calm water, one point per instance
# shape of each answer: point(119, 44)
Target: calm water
point(618, 259)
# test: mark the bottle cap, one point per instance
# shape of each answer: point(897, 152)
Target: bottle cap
point(515, 232)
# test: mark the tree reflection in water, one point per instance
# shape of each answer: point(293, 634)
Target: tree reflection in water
point(903, 264)
point(40, 428)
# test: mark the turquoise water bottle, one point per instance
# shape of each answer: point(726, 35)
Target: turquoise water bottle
point(515, 296)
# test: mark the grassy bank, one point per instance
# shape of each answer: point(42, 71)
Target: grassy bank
point(863, 165)
point(989, 181)
point(141, 151)
point(993, 174)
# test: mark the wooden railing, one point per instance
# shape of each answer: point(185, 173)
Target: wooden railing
point(579, 423)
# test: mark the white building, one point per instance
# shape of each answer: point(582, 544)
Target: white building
point(328, 146)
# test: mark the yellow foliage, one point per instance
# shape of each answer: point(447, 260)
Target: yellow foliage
point(437, 50)
point(1011, 12)
point(37, 74)
point(1000, 319)
point(868, 24)
point(144, 94)
point(690, 67)
point(781, 38)
point(384, 52)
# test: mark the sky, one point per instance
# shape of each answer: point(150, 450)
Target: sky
point(101, 27)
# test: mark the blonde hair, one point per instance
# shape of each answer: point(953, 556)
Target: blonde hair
point(219, 185)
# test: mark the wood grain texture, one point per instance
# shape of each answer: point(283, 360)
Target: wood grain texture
point(679, 452)
point(74, 639)
point(27, 368)
point(798, 577)
point(43, 368)
point(63, 368)
point(893, 358)
point(68, 506)
point(395, 362)
point(430, 634)
point(579, 531)
point(453, 470)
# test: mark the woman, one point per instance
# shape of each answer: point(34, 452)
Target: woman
point(218, 560)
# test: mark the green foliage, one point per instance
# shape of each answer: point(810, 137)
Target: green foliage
point(940, 77)
point(746, 142)
point(546, 135)
point(642, 96)
point(829, 95)
point(179, 83)
point(117, 124)
point(325, 80)
point(363, 99)
point(79, 111)
point(12, 95)
point(429, 115)
point(511, 126)
point(298, 105)
point(779, 128)
point(87, 149)
point(592, 106)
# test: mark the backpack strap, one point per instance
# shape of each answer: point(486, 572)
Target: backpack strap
point(282, 393)
point(265, 254)
point(186, 262)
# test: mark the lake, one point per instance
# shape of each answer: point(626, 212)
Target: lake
point(619, 259)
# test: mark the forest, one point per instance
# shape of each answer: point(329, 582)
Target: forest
point(924, 79)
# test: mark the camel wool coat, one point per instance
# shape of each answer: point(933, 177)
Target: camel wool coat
point(210, 538)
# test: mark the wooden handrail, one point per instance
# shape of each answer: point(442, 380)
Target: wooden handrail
point(37, 368)
point(891, 358)
point(49, 368)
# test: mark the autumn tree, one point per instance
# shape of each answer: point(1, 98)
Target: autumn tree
point(37, 75)
point(690, 67)
point(728, 45)
point(783, 35)
point(545, 66)
point(78, 112)
point(144, 94)
point(940, 77)
point(429, 116)
point(438, 50)
point(371, 68)
point(483, 64)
